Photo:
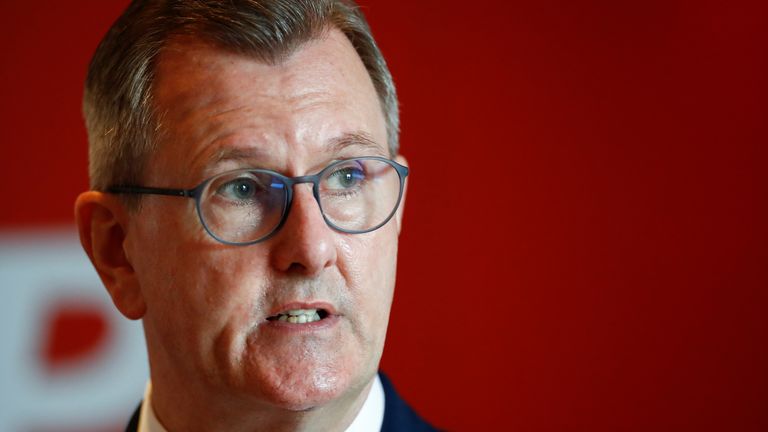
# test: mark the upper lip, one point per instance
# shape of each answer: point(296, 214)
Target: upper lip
point(294, 305)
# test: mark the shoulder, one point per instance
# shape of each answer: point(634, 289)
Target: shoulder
point(398, 416)
point(133, 425)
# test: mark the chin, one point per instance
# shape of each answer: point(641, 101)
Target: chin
point(305, 373)
point(297, 391)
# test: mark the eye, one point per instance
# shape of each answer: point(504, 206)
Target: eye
point(346, 177)
point(240, 189)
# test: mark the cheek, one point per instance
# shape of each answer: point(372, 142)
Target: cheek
point(368, 262)
point(196, 289)
point(220, 282)
point(201, 318)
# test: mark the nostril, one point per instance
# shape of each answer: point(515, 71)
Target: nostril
point(296, 268)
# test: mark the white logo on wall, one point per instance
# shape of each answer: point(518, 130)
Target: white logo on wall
point(69, 360)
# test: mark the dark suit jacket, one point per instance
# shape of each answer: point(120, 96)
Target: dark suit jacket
point(398, 416)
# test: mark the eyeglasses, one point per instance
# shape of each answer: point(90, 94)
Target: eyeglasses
point(246, 206)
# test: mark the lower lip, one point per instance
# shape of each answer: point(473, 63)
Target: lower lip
point(284, 326)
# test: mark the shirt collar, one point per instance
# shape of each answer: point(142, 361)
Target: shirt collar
point(369, 418)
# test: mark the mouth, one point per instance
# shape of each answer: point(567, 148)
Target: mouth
point(300, 316)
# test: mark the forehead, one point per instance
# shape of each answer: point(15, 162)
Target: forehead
point(306, 110)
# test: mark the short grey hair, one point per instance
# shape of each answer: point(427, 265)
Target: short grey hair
point(123, 128)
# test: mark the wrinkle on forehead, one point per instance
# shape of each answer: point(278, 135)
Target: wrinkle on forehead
point(285, 82)
point(308, 102)
point(360, 140)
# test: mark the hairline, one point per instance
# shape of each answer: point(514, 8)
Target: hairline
point(121, 109)
point(179, 38)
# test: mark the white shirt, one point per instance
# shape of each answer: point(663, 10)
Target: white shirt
point(369, 418)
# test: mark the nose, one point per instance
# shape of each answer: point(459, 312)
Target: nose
point(305, 243)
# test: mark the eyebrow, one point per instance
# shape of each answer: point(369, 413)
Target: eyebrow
point(334, 146)
point(359, 139)
point(236, 154)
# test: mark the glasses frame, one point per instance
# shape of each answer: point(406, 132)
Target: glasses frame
point(196, 194)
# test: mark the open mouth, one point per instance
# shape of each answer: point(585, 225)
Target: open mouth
point(300, 316)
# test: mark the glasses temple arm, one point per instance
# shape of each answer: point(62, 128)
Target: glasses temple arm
point(151, 191)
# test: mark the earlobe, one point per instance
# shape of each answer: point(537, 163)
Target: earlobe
point(102, 221)
point(399, 214)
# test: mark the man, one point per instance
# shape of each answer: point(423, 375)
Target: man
point(247, 197)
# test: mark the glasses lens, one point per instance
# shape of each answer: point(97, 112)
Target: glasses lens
point(243, 206)
point(359, 194)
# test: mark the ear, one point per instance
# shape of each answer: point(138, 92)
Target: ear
point(399, 214)
point(102, 223)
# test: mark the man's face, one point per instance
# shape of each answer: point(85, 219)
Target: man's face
point(208, 303)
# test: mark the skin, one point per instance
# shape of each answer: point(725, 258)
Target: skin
point(216, 362)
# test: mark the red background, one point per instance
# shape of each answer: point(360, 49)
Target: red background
point(585, 243)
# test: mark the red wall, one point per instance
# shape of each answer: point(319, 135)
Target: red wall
point(585, 243)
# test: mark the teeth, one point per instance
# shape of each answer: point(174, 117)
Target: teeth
point(297, 312)
point(299, 316)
